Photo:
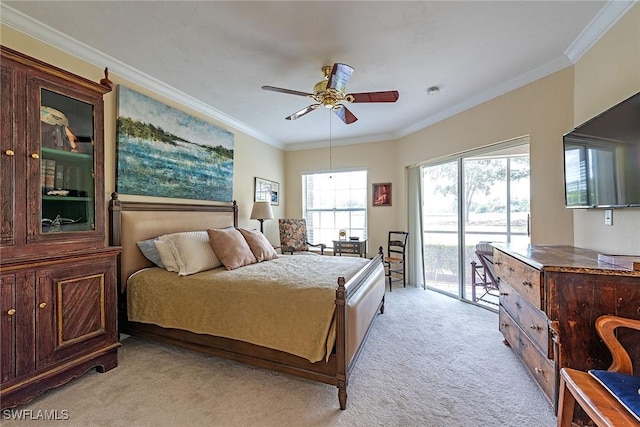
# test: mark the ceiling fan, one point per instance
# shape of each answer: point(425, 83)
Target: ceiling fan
point(330, 92)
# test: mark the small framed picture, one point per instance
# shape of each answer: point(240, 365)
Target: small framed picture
point(382, 194)
point(267, 191)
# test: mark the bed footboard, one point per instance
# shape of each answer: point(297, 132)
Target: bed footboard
point(357, 303)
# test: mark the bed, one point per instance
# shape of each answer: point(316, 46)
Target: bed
point(356, 296)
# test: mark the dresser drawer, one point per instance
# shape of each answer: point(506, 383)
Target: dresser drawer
point(520, 276)
point(531, 320)
point(541, 368)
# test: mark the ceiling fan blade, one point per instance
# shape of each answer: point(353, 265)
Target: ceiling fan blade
point(289, 91)
point(388, 96)
point(302, 112)
point(344, 114)
point(340, 74)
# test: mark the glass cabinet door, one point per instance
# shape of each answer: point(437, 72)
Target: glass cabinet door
point(66, 163)
point(52, 201)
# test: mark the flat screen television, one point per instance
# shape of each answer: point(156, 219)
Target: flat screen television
point(602, 159)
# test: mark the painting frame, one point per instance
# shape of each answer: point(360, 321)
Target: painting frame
point(266, 190)
point(162, 151)
point(381, 194)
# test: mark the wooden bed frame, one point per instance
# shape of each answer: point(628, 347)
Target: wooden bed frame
point(358, 300)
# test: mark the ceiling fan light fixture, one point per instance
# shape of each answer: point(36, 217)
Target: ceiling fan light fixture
point(331, 92)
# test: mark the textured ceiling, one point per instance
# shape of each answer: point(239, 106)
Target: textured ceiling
point(215, 56)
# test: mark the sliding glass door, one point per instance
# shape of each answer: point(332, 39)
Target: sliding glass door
point(468, 200)
point(441, 222)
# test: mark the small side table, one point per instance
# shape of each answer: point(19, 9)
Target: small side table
point(356, 247)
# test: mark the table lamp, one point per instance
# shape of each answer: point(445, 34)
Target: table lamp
point(261, 211)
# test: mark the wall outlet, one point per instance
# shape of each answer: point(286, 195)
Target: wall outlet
point(608, 217)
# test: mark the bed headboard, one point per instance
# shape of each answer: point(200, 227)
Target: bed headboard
point(131, 222)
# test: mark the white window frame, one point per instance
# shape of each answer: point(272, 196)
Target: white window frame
point(317, 232)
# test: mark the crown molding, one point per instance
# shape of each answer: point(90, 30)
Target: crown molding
point(599, 25)
point(489, 94)
point(59, 40)
point(339, 142)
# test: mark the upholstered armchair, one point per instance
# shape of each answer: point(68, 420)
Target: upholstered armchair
point(293, 236)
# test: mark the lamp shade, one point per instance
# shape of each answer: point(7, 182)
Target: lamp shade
point(261, 210)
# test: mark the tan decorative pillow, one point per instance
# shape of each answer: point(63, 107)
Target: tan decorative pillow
point(232, 249)
point(191, 251)
point(259, 245)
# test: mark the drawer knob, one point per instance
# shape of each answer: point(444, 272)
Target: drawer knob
point(538, 370)
point(497, 263)
point(504, 324)
point(527, 283)
point(35, 156)
point(11, 311)
point(504, 294)
point(518, 304)
point(42, 305)
point(9, 152)
point(536, 327)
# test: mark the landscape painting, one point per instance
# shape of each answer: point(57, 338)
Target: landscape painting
point(165, 152)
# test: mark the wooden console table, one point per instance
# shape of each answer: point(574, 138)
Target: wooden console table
point(550, 298)
point(356, 247)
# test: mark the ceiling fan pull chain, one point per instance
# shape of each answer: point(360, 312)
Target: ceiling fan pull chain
point(330, 159)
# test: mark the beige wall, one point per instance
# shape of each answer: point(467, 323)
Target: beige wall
point(607, 74)
point(252, 157)
point(378, 158)
point(542, 110)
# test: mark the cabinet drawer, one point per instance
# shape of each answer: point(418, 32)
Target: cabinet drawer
point(532, 321)
point(520, 276)
point(353, 247)
point(541, 368)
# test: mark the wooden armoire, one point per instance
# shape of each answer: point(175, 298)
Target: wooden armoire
point(57, 275)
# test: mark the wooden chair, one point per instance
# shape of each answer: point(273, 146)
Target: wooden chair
point(483, 275)
point(582, 388)
point(394, 262)
point(293, 236)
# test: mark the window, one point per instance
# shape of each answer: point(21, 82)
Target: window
point(332, 202)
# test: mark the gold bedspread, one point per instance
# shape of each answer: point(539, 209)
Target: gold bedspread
point(285, 304)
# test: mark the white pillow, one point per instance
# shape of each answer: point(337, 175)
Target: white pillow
point(191, 251)
point(166, 255)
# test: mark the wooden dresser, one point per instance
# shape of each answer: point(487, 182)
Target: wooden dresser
point(57, 276)
point(550, 298)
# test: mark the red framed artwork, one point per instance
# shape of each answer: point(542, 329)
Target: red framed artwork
point(382, 194)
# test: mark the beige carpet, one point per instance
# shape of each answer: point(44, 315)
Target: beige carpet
point(430, 361)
